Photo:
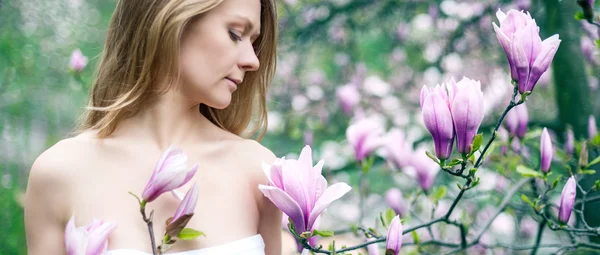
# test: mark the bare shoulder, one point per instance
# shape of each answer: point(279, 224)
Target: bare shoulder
point(251, 155)
point(53, 164)
point(53, 170)
point(47, 197)
point(253, 151)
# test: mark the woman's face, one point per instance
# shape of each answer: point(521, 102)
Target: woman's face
point(217, 52)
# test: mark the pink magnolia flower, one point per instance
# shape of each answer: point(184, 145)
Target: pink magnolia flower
point(170, 172)
point(394, 237)
point(89, 240)
point(188, 204)
point(546, 151)
point(592, 129)
point(529, 57)
point(372, 249)
point(467, 113)
point(426, 170)
point(348, 97)
point(570, 141)
point(398, 150)
point(78, 61)
point(394, 199)
point(299, 189)
point(503, 136)
point(567, 200)
point(364, 136)
point(435, 108)
point(516, 120)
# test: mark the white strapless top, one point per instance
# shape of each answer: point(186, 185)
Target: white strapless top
point(253, 245)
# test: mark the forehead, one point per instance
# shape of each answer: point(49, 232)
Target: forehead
point(245, 9)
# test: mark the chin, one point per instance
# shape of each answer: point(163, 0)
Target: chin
point(220, 103)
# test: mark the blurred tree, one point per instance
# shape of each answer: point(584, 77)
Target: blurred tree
point(573, 95)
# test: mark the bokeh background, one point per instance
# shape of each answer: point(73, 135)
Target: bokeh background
point(385, 51)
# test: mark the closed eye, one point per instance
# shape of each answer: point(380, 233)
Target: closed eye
point(234, 36)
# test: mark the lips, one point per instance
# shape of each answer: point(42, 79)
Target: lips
point(234, 80)
point(233, 84)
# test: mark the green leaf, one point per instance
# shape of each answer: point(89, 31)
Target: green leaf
point(472, 171)
point(389, 216)
point(524, 96)
point(415, 236)
point(323, 233)
point(597, 185)
point(597, 43)
point(588, 171)
point(476, 182)
point(367, 164)
point(526, 199)
point(383, 222)
point(596, 141)
point(439, 194)
point(472, 159)
point(354, 229)
point(595, 161)
point(189, 234)
point(477, 141)
point(554, 183)
point(579, 16)
point(432, 157)
point(455, 162)
point(528, 172)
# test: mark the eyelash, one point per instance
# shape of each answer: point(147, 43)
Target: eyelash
point(234, 36)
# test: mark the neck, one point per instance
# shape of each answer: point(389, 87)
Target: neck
point(170, 120)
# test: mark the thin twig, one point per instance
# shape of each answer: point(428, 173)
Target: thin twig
point(148, 221)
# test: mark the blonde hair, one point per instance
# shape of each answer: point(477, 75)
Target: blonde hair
point(142, 50)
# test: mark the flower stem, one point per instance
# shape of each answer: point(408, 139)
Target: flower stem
point(148, 221)
point(539, 236)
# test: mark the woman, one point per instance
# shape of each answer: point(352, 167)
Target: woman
point(188, 73)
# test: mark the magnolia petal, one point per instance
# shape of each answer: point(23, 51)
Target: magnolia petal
point(177, 194)
point(467, 114)
point(424, 93)
point(545, 151)
point(502, 38)
point(98, 238)
point(295, 184)
point(438, 121)
point(286, 204)
point(331, 194)
point(521, 62)
point(305, 158)
point(273, 173)
point(318, 168)
point(543, 59)
point(567, 200)
point(188, 204)
point(75, 238)
point(500, 15)
point(394, 236)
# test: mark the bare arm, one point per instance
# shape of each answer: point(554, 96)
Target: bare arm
point(269, 226)
point(44, 207)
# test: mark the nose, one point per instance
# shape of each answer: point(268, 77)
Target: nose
point(248, 60)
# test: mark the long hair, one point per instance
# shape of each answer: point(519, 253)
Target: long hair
point(142, 50)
